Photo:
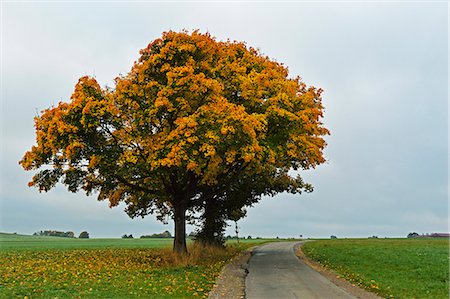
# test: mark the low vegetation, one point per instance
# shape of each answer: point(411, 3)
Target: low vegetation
point(50, 267)
point(392, 268)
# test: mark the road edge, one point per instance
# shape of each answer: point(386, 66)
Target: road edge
point(231, 282)
point(334, 277)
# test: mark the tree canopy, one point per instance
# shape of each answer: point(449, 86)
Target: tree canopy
point(194, 115)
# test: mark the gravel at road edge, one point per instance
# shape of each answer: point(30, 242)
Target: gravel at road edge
point(231, 282)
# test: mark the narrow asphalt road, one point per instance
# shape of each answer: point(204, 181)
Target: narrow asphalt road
point(276, 272)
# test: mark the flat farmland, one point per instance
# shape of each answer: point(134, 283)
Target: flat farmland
point(392, 268)
point(52, 267)
point(20, 242)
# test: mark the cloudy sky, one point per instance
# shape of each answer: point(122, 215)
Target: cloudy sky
point(383, 66)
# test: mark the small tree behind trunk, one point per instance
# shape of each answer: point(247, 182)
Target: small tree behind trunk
point(213, 225)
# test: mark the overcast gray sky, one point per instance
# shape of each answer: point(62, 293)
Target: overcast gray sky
point(383, 66)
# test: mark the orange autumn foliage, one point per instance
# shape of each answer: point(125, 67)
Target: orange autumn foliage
point(191, 111)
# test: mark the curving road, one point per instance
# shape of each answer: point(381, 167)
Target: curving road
point(275, 272)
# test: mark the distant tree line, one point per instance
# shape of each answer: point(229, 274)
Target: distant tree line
point(432, 235)
point(84, 235)
point(193, 235)
point(56, 233)
point(165, 234)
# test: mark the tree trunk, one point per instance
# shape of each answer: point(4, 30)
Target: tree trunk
point(179, 242)
point(213, 225)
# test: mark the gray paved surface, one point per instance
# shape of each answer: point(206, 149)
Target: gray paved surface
point(275, 272)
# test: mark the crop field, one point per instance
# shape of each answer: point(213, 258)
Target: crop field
point(52, 267)
point(392, 268)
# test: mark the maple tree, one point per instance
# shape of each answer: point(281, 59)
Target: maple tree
point(193, 122)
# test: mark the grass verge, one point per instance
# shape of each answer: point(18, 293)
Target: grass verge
point(392, 268)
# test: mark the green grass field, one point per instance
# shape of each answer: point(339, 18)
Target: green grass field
point(392, 268)
point(52, 267)
point(20, 242)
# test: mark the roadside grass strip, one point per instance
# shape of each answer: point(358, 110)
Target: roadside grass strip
point(392, 268)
